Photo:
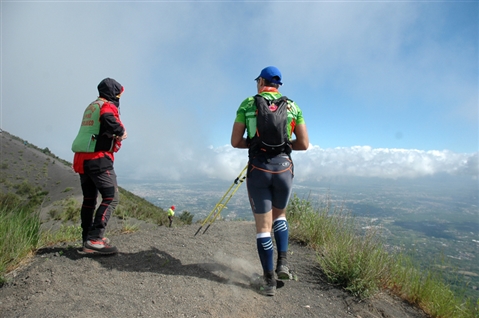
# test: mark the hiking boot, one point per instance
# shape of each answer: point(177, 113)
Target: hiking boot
point(283, 272)
point(106, 240)
point(99, 247)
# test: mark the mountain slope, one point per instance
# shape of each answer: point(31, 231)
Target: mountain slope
point(22, 162)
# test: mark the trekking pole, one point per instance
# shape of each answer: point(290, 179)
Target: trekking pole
point(221, 205)
point(238, 182)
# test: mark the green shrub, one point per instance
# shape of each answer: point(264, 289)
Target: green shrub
point(34, 194)
point(54, 214)
point(10, 200)
point(25, 189)
point(133, 206)
point(70, 210)
point(186, 217)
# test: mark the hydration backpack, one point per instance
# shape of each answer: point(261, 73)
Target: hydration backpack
point(271, 126)
point(87, 136)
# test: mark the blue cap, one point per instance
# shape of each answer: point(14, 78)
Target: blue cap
point(271, 74)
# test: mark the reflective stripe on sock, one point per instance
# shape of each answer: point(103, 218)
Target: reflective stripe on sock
point(281, 234)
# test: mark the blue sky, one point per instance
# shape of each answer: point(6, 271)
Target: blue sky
point(388, 89)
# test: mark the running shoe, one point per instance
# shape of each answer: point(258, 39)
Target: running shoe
point(268, 288)
point(99, 247)
point(283, 272)
point(265, 286)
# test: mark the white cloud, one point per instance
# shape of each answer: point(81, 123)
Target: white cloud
point(315, 164)
point(364, 161)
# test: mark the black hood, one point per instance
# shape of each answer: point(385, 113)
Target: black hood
point(109, 89)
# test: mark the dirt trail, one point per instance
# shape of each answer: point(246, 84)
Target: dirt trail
point(169, 272)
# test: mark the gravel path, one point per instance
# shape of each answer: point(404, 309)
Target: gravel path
point(169, 272)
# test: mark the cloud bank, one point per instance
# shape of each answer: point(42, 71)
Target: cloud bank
point(312, 165)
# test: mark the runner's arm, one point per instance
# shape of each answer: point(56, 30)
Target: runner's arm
point(237, 139)
point(302, 140)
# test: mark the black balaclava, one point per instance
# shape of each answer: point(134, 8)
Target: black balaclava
point(109, 90)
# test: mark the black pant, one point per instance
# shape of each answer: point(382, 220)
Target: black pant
point(94, 224)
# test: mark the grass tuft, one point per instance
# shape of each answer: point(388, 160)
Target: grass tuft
point(128, 227)
point(66, 233)
point(19, 236)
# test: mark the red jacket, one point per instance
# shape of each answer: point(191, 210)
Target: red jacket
point(110, 126)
